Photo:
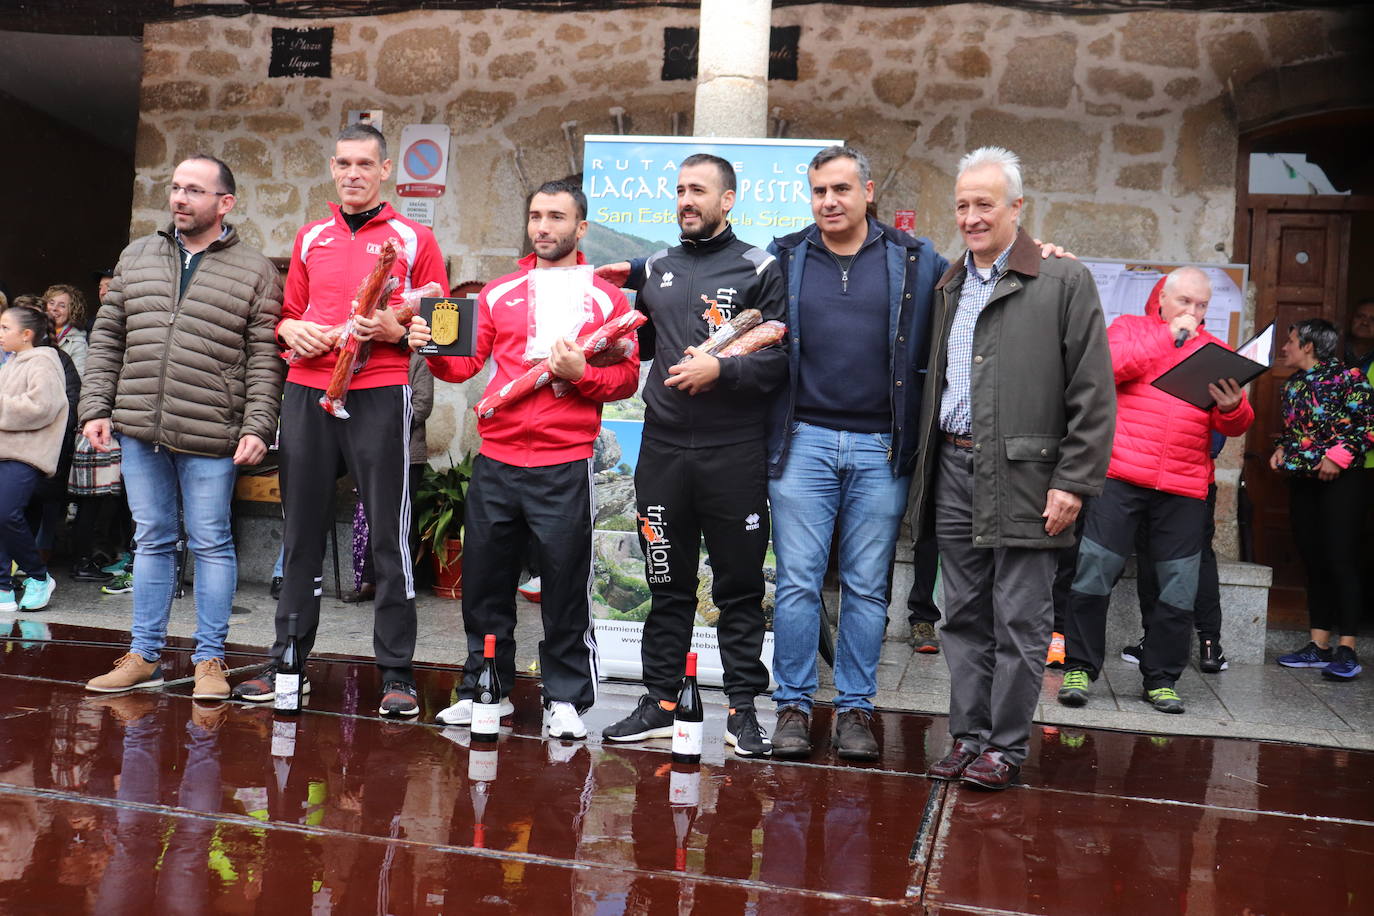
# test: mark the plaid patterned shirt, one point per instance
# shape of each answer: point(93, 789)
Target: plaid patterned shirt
point(956, 413)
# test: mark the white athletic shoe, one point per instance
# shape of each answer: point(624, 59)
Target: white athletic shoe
point(460, 713)
point(564, 722)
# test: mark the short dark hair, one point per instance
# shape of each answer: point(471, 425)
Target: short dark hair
point(360, 131)
point(226, 177)
point(1321, 334)
point(831, 153)
point(727, 171)
point(562, 186)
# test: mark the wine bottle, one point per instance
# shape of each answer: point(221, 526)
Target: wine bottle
point(289, 670)
point(486, 704)
point(687, 718)
point(684, 793)
point(481, 775)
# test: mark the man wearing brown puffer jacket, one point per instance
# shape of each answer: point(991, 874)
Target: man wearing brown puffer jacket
point(184, 370)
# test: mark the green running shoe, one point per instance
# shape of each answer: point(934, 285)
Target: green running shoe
point(121, 584)
point(1074, 692)
point(1164, 699)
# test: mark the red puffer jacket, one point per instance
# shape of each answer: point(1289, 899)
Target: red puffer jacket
point(1162, 441)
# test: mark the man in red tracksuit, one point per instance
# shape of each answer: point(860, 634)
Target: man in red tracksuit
point(1159, 473)
point(532, 477)
point(330, 259)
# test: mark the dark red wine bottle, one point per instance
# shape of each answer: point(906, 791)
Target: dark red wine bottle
point(290, 670)
point(481, 777)
point(684, 794)
point(688, 717)
point(486, 704)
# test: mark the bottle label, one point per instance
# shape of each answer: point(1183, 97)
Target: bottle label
point(687, 738)
point(288, 688)
point(283, 739)
point(482, 766)
point(486, 718)
point(684, 788)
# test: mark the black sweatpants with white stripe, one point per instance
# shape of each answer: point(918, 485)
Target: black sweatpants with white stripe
point(507, 507)
point(374, 443)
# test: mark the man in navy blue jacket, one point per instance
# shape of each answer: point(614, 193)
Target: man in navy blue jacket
point(842, 440)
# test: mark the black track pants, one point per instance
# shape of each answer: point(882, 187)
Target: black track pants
point(508, 507)
point(374, 442)
point(682, 495)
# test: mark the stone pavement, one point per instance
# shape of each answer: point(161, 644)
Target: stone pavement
point(1261, 701)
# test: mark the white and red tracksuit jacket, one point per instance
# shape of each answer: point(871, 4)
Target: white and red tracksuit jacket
point(539, 430)
point(328, 263)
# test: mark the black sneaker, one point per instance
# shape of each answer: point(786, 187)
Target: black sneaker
point(275, 589)
point(1135, 653)
point(792, 738)
point(649, 720)
point(399, 699)
point(87, 570)
point(745, 735)
point(854, 735)
point(263, 688)
point(1210, 657)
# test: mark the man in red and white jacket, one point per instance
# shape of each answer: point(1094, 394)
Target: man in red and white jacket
point(330, 259)
point(533, 473)
point(1160, 469)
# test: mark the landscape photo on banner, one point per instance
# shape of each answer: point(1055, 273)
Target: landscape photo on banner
point(631, 186)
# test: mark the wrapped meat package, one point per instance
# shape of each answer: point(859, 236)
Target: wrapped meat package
point(373, 293)
point(598, 346)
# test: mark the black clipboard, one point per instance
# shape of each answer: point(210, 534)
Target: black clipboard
point(1188, 380)
point(456, 328)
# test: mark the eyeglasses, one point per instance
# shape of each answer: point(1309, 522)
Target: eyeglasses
point(193, 193)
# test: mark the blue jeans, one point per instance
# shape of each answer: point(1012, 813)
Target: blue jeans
point(154, 478)
point(831, 476)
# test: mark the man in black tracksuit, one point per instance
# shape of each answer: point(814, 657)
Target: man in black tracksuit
point(702, 462)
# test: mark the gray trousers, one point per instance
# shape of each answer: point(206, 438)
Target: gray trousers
point(999, 611)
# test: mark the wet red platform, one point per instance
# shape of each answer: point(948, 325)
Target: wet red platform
point(150, 802)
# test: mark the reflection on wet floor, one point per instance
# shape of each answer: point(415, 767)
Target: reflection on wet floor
point(150, 802)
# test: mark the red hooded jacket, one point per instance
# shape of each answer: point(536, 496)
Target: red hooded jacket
point(1162, 442)
point(542, 429)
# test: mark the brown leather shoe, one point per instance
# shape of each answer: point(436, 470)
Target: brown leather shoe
point(952, 765)
point(792, 736)
point(854, 735)
point(367, 592)
point(991, 770)
point(212, 680)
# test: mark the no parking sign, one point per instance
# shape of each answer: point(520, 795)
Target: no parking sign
point(422, 167)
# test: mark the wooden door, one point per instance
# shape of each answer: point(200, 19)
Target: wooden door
point(1299, 261)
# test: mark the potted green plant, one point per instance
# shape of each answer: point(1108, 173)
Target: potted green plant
point(439, 504)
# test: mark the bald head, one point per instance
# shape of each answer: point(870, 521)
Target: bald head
point(1187, 289)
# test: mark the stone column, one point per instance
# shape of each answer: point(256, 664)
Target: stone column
point(732, 69)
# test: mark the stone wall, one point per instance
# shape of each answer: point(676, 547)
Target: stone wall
point(1125, 122)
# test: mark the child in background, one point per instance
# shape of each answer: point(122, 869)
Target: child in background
point(33, 422)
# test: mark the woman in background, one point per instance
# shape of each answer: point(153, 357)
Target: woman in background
point(1328, 426)
point(67, 308)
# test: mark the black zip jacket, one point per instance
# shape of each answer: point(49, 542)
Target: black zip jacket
point(677, 288)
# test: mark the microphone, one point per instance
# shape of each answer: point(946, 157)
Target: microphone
point(1181, 338)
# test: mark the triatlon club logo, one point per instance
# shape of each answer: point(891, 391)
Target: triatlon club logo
point(656, 546)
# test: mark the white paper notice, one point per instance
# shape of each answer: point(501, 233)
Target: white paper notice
point(560, 304)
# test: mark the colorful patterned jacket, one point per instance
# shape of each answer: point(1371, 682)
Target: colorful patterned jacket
point(1328, 412)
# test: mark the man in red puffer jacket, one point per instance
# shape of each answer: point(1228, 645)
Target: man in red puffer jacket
point(1160, 469)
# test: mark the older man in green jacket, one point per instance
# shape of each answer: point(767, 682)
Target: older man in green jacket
point(1018, 417)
